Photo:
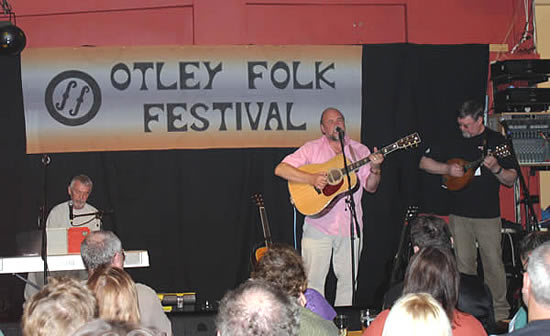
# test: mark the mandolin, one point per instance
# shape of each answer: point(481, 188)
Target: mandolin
point(311, 201)
point(458, 183)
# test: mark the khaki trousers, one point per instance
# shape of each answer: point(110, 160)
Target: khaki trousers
point(486, 232)
point(317, 249)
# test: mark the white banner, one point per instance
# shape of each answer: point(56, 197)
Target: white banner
point(147, 98)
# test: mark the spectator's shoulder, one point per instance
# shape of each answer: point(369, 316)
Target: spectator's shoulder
point(313, 324)
point(145, 289)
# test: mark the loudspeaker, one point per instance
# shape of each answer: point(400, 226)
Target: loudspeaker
point(193, 323)
point(522, 100)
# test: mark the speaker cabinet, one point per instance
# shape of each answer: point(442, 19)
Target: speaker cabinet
point(193, 323)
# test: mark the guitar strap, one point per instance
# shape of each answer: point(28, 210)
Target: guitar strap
point(485, 147)
point(484, 151)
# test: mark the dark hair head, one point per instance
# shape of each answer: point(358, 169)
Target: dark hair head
point(471, 108)
point(430, 231)
point(283, 266)
point(531, 241)
point(433, 270)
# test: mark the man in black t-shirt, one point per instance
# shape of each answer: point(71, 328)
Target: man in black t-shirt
point(475, 206)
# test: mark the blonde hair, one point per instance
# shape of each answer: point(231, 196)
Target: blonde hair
point(417, 314)
point(60, 308)
point(116, 294)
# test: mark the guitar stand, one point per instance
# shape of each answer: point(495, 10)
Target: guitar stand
point(27, 281)
point(404, 249)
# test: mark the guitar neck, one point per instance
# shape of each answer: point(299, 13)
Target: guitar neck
point(265, 226)
point(358, 164)
point(499, 152)
point(473, 164)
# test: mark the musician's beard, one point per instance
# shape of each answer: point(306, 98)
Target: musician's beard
point(79, 204)
point(466, 135)
point(332, 136)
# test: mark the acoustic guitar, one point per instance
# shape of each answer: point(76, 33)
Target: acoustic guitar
point(311, 201)
point(458, 183)
point(260, 251)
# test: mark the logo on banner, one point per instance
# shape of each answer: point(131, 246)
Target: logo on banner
point(73, 98)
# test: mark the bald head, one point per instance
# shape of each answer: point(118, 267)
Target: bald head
point(331, 118)
point(257, 308)
point(331, 110)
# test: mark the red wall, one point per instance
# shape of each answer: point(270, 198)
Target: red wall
point(129, 22)
point(58, 23)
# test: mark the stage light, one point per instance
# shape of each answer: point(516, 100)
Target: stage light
point(12, 38)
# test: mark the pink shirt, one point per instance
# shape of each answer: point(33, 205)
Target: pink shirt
point(336, 221)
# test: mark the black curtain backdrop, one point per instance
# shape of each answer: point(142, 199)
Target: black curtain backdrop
point(192, 209)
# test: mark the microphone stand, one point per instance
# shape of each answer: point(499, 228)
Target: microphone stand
point(45, 162)
point(42, 226)
point(97, 214)
point(353, 224)
point(531, 221)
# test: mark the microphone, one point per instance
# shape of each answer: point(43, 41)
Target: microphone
point(71, 214)
point(100, 213)
point(340, 131)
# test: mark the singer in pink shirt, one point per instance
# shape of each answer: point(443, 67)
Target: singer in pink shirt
point(329, 235)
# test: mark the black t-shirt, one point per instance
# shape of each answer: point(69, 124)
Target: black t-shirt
point(480, 198)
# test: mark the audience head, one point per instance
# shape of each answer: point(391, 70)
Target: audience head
point(101, 248)
point(536, 282)
point(257, 308)
point(530, 242)
point(114, 328)
point(433, 270)
point(430, 231)
point(417, 314)
point(282, 266)
point(60, 308)
point(116, 294)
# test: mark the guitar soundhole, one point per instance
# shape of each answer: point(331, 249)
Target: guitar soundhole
point(334, 176)
point(331, 189)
